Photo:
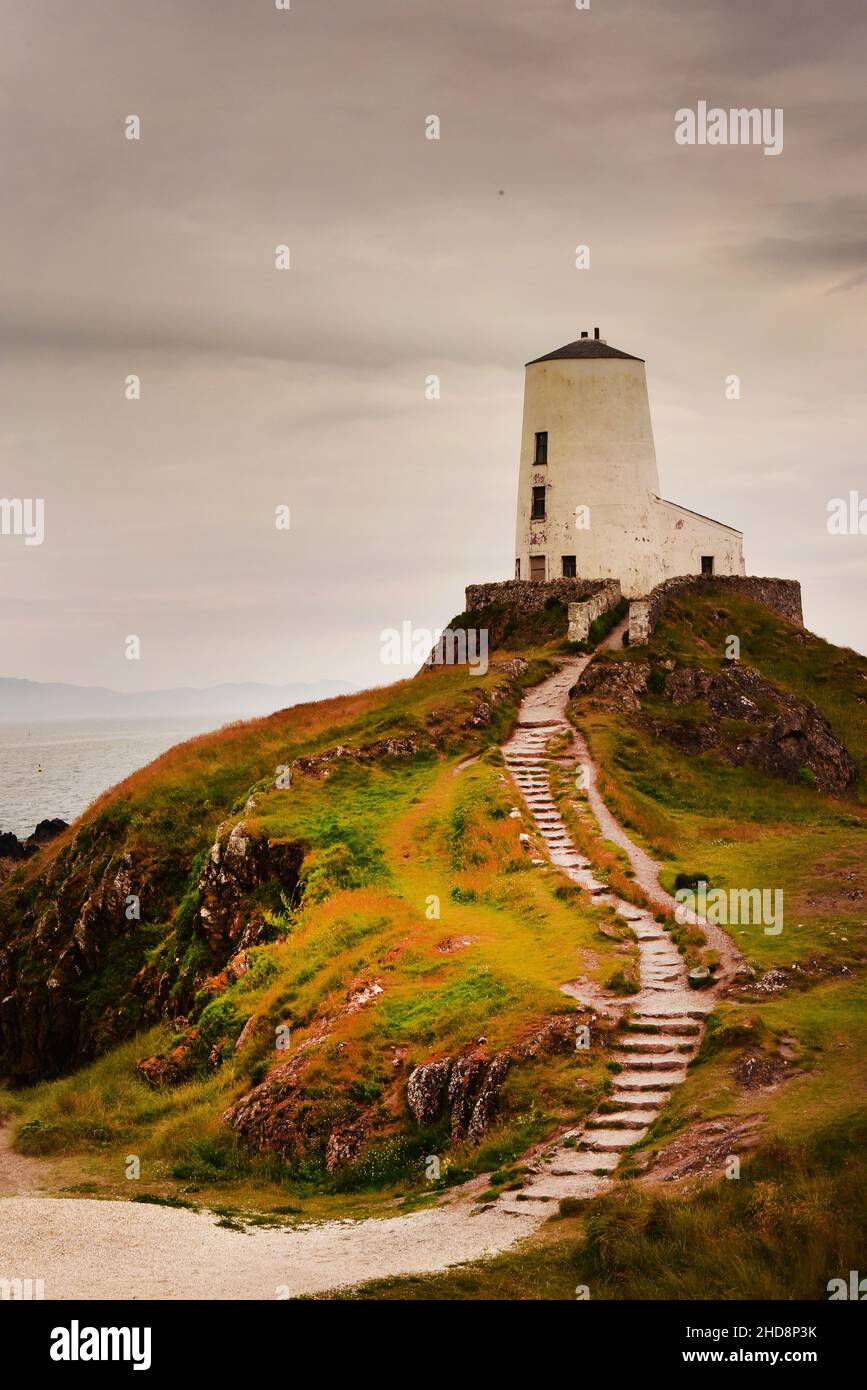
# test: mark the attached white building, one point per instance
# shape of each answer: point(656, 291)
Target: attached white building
point(588, 492)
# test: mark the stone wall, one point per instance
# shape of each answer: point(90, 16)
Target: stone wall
point(782, 596)
point(581, 615)
point(528, 596)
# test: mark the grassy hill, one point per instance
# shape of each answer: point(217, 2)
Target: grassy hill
point(781, 1078)
point(380, 912)
point(410, 882)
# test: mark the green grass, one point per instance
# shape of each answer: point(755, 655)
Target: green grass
point(412, 832)
point(740, 827)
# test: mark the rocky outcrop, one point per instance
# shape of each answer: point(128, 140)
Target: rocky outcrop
point(168, 1069)
point(426, 1090)
point(237, 866)
point(399, 747)
point(468, 1085)
point(73, 978)
point(13, 850)
point(739, 715)
point(277, 1117)
point(785, 737)
point(58, 945)
point(615, 685)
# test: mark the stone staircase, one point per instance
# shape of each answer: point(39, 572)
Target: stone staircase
point(665, 1019)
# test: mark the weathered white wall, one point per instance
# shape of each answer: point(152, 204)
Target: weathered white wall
point(601, 456)
point(684, 537)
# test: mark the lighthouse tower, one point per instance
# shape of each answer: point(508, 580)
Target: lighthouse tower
point(588, 492)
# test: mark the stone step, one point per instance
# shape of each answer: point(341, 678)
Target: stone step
point(633, 1080)
point(554, 1186)
point(568, 1161)
point(622, 1119)
point(639, 1023)
point(612, 1140)
point(660, 1062)
point(640, 1100)
point(654, 1043)
point(675, 1014)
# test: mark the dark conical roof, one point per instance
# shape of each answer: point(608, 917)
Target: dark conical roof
point(585, 347)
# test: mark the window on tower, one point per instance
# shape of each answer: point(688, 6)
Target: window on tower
point(569, 570)
point(538, 509)
point(541, 446)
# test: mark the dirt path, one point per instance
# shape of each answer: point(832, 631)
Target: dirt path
point(19, 1174)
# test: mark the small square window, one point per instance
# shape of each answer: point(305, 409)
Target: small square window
point(569, 570)
point(541, 446)
point(537, 512)
point(707, 564)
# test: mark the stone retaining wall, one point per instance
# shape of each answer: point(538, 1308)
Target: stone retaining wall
point(581, 615)
point(782, 596)
point(527, 595)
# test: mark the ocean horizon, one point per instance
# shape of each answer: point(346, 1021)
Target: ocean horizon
point(58, 767)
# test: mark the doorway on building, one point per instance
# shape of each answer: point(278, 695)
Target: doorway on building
point(707, 564)
point(537, 567)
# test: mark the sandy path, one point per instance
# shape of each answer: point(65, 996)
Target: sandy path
point(127, 1250)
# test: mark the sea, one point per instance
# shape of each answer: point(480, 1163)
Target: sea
point(57, 769)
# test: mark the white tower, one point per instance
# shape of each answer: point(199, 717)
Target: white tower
point(588, 493)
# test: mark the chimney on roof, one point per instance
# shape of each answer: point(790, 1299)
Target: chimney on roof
point(585, 335)
point(596, 333)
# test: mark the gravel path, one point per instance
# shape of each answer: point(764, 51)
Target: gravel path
point(129, 1250)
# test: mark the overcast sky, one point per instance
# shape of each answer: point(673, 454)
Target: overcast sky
point(409, 256)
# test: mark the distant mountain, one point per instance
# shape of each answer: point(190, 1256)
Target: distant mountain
point(24, 701)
